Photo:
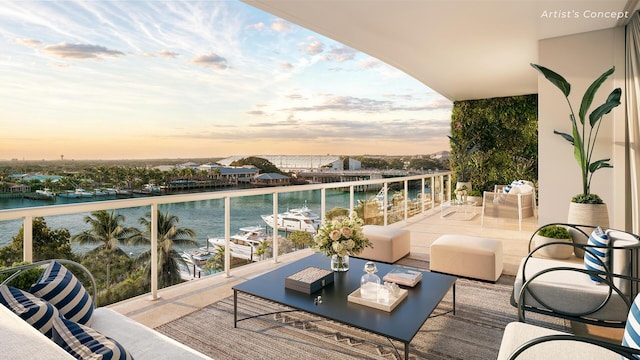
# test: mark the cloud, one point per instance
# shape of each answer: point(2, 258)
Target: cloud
point(80, 51)
point(312, 48)
point(257, 26)
point(286, 65)
point(168, 54)
point(256, 113)
point(29, 42)
point(341, 54)
point(347, 103)
point(211, 60)
point(279, 25)
point(369, 63)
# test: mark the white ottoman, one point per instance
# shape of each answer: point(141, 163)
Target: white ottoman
point(390, 244)
point(467, 256)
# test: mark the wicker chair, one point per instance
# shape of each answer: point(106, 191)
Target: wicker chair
point(498, 204)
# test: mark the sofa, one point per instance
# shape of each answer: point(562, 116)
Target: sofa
point(19, 339)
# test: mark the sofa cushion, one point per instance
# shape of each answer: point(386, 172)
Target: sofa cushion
point(597, 258)
point(37, 312)
point(85, 343)
point(62, 289)
point(631, 337)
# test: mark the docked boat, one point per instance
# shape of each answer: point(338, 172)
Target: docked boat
point(295, 219)
point(83, 193)
point(194, 260)
point(245, 243)
point(45, 194)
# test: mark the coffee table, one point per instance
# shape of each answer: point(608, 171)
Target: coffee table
point(401, 324)
point(465, 210)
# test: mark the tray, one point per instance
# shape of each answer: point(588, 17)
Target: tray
point(355, 297)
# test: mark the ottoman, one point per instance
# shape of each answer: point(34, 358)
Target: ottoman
point(467, 256)
point(390, 244)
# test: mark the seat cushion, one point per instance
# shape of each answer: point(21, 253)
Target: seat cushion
point(62, 289)
point(568, 291)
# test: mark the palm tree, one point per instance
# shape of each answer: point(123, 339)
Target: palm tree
point(169, 259)
point(106, 231)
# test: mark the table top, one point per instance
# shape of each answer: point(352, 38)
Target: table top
point(401, 324)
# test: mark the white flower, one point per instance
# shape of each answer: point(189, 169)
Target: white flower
point(347, 232)
point(335, 235)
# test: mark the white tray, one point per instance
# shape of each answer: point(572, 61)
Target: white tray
point(355, 297)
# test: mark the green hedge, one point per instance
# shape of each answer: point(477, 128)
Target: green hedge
point(506, 132)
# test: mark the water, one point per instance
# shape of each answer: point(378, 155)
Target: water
point(205, 217)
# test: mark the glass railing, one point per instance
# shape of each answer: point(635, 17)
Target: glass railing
point(219, 216)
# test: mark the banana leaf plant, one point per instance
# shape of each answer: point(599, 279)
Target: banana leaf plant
point(585, 129)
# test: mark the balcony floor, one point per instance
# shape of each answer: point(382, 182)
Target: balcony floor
point(183, 299)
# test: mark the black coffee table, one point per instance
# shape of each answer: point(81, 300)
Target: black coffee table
point(401, 324)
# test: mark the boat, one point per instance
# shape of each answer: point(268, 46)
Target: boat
point(98, 192)
point(193, 261)
point(45, 194)
point(83, 193)
point(296, 219)
point(70, 194)
point(245, 243)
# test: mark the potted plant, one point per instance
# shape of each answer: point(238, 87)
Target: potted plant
point(553, 234)
point(585, 208)
point(461, 161)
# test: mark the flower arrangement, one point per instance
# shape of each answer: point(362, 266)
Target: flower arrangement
point(342, 236)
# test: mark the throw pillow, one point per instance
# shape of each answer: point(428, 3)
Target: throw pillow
point(82, 342)
point(37, 312)
point(62, 289)
point(631, 337)
point(600, 254)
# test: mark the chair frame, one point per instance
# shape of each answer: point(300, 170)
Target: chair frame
point(498, 191)
point(607, 276)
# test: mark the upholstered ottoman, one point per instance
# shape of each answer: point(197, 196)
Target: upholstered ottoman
point(467, 256)
point(389, 244)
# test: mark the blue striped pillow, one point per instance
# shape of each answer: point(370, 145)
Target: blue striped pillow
point(631, 337)
point(82, 342)
point(591, 262)
point(62, 289)
point(37, 312)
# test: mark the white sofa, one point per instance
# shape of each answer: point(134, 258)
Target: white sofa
point(19, 340)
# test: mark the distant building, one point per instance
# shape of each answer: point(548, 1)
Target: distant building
point(15, 188)
point(295, 163)
point(270, 179)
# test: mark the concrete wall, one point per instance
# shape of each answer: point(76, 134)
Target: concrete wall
point(580, 59)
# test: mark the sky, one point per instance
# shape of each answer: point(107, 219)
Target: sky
point(178, 79)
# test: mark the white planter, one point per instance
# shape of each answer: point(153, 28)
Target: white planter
point(559, 252)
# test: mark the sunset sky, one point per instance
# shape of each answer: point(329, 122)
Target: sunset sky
point(179, 79)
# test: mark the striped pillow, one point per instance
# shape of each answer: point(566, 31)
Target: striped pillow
point(37, 312)
point(591, 262)
point(631, 337)
point(82, 342)
point(61, 288)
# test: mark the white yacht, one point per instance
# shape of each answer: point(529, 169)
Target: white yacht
point(244, 244)
point(46, 193)
point(296, 219)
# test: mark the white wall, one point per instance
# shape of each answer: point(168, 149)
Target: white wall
point(580, 59)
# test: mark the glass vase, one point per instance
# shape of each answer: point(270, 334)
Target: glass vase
point(339, 263)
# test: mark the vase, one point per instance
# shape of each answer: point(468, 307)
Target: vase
point(339, 263)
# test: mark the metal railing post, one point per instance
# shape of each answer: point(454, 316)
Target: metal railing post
point(27, 240)
point(154, 251)
point(275, 227)
point(227, 235)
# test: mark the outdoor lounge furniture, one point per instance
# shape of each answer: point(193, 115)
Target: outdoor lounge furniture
point(468, 256)
point(569, 290)
point(390, 244)
point(20, 340)
point(517, 203)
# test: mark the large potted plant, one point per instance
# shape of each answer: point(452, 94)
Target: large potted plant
point(461, 161)
point(586, 208)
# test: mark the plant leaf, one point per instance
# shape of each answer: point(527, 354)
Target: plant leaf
point(566, 136)
point(600, 164)
point(612, 101)
point(587, 99)
point(555, 78)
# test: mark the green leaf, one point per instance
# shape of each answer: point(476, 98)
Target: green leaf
point(612, 101)
point(566, 136)
point(600, 164)
point(587, 99)
point(555, 78)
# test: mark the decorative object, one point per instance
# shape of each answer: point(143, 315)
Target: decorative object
point(598, 257)
point(554, 233)
point(403, 276)
point(309, 280)
point(394, 299)
point(461, 193)
point(339, 263)
point(369, 282)
point(585, 133)
point(340, 238)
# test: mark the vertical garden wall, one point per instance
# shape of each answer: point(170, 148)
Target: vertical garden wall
point(496, 140)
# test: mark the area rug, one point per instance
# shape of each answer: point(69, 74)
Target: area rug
point(474, 332)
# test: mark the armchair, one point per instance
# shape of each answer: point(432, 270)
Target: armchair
point(511, 205)
point(565, 289)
